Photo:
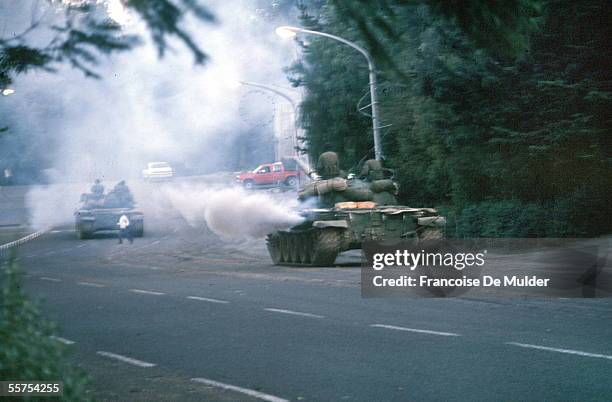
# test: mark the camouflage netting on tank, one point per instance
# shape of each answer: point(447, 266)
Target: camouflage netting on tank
point(328, 165)
point(334, 188)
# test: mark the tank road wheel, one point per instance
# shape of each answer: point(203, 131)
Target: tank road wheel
point(284, 249)
point(83, 232)
point(428, 233)
point(288, 248)
point(293, 251)
point(305, 248)
point(273, 243)
point(325, 247)
point(137, 229)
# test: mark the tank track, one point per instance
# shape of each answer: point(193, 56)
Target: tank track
point(309, 248)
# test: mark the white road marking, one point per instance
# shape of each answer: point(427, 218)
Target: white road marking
point(81, 245)
point(155, 242)
point(92, 284)
point(278, 310)
point(125, 359)
point(62, 340)
point(46, 278)
point(61, 231)
point(206, 299)
point(147, 292)
point(420, 331)
point(568, 351)
point(246, 391)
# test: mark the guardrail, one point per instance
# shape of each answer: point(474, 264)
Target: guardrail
point(4, 248)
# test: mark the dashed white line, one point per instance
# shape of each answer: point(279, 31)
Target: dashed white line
point(558, 350)
point(245, 391)
point(62, 340)
point(81, 245)
point(92, 284)
point(125, 359)
point(206, 299)
point(46, 278)
point(420, 331)
point(155, 242)
point(279, 310)
point(147, 292)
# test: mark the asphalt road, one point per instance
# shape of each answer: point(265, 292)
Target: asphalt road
point(182, 315)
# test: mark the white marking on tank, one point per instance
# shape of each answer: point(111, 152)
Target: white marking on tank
point(282, 311)
point(419, 331)
point(245, 391)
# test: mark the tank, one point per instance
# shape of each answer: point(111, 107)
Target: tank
point(99, 212)
point(89, 221)
point(350, 211)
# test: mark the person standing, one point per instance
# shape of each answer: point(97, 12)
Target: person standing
point(124, 229)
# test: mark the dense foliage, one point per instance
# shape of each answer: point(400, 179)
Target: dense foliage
point(28, 349)
point(506, 143)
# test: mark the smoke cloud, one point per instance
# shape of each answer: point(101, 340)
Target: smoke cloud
point(233, 213)
point(145, 109)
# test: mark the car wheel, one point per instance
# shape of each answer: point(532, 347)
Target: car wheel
point(248, 184)
point(292, 181)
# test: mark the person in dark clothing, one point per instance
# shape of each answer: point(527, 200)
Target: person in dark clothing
point(121, 190)
point(97, 189)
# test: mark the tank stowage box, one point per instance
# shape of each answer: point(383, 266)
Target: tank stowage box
point(328, 231)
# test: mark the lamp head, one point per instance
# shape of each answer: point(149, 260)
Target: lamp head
point(8, 91)
point(286, 31)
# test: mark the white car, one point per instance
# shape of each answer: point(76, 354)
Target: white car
point(157, 170)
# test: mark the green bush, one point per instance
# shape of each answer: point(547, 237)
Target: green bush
point(28, 352)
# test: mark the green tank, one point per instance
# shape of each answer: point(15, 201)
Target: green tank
point(99, 212)
point(350, 212)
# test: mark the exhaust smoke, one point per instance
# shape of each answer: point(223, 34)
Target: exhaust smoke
point(233, 213)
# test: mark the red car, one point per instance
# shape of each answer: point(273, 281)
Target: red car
point(269, 174)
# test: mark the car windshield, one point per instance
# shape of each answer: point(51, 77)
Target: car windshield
point(158, 165)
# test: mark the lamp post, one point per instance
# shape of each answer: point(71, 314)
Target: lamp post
point(288, 32)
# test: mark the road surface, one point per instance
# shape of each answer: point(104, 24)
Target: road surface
point(183, 315)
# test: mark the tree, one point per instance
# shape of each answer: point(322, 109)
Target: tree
point(510, 143)
point(82, 31)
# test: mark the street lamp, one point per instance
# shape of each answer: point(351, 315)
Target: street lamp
point(289, 32)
